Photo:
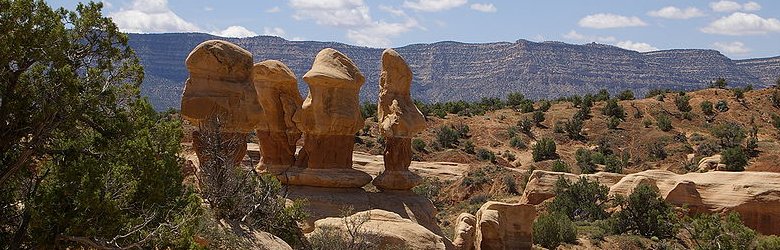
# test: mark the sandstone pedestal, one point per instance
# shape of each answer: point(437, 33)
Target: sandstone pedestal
point(329, 118)
point(277, 92)
point(400, 120)
point(219, 99)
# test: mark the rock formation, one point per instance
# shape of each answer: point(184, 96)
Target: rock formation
point(465, 227)
point(219, 99)
point(387, 228)
point(541, 184)
point(277, 93)
point(711, 163)
point(329, 118)
point(504, 226)
point(400, 120)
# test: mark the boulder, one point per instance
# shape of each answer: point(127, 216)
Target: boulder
point(329, 118)
point(400, 120)
point(504, 226)
point(465, 227)
point(754, 195)
point(541, 184)
point(277, 92)
point(386, 229)
point(711, 163)
point(220, 100)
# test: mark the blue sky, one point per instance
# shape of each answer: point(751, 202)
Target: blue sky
point(739, 29)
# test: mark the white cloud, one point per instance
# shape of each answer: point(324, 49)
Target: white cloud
point(573, 35)
point(672, 12)
point(106, 4)
point(740, 23)
point(637, 46)
point(392, 10)
point(433, 5)
point(484, 7)
point(731, 6)
point(731, 47)
point(235, 31)
point(150, 16)
point(626, 44)
point(607, 20)
point(274, 9)
point(354, 17)
point(208, 8)
point(274, 31)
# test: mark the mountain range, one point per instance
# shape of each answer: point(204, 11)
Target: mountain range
point(449, 71)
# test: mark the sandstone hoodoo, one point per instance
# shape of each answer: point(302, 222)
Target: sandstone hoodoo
point(219, 97)
point(399, 120)
point(277, 93)
point(504, 226)
point(329, 118)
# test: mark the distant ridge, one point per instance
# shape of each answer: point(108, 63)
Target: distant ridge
point(447, 71)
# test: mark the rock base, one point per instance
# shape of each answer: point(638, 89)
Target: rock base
point(397, 180)
point(329, 177)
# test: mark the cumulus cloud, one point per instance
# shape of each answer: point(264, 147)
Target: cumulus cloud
point(625, 44)
point(731, 47)
point(607, 20)
point(274, 9)
point(672, 12)
point(433, 5)
point(731, 6)
point(274, 31)
point(150, 16)
point(484, 7)
point(235, 31)
point(354, 17)
point(637, 46)
point(739, 23)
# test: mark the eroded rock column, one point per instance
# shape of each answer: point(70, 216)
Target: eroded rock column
point(400, 120)
point(277, 93)
point(220, 100)
point(329, 118)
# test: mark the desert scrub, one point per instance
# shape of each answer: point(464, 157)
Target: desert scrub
point(544, 149)
point(550, 230)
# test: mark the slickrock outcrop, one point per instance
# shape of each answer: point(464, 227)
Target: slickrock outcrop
point(711, 163)
point(504, 226)
point(219, 95)
point(754, 195)
point(541, 184)
point(329, 118)
point(465, 228)
point(388, 228)
point(277, 93)
point(400, 120)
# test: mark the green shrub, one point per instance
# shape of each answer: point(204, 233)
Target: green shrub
point(776, 121)
point(775, 98)
point(447, 137)
point(601, 96)
point(544, 105)
point(706, 108)
point(719, 83)
point(613, 164)
point(418, 145)
point(368, 110)
point(613, 123)
point(509, 156)
point(462, 130)
point(656, 149)
point(708, 148)
point(538, 117)
point(647, 122)
point(517, 142)
point(561, 166)
point(722, 106)
point(734, 159)
point(550, 230)
point(468, 147)
point(544, 149)
point(626, 95)
point(710, 231)
point(525, 125)
point(646, 213)
point(514, 99)
point(613, 109)
point(581, 200)
point(682, 103)
point(485, 155)
point(730, 134)
point(584, 161)
point(769, 242)
point(597, 158)
point(527, 106)
point(664, 122)
point(573, 128)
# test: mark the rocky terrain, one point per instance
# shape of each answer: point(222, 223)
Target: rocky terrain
point(449, 71)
